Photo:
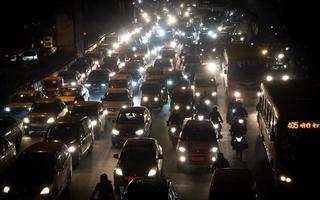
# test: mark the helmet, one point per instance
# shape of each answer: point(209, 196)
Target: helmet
point(215, 108)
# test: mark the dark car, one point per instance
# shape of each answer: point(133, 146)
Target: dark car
point(139, 157)
point(11, 129)
point(231, 183)
point(76, 133)
point(152, 95)
point(163, 64)
point(135, 77)
point(182, 101)
point(97, 82)
point(42, 171)
point(197, 144)
point(70, 78)
point(131, 122)
point(111, 63)
point(150, 188)
point(7, 157)
point(82, 67)
point(94, 110)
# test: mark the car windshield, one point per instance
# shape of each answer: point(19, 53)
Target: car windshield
point(138, 153)
point(116, 97)
point(199, 132)
point(70, 92)
point(151, 89)
point(50, 84)
point(33, 168)
point(204, 83)
point(84, 111)
point(45, 108)
point(110, 61)
point(68, 77)
point(182, 96)
point(118, 84)
point(63, 132)
point(162, 63)
point(29, 53)
point(130, 118)
point(99, 75)
point(23, 98)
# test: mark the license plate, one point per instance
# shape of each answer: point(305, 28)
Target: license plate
point(197, 159)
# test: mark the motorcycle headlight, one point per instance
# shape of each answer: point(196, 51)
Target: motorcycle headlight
point(176, 107)
point(240, 121)
point(182, 149)
point(216, 126)
point(50, 120)
point(134, 83)
point(87, 85)
point(156, 99)
point(269, 78)
point(237, 94)
point(214, 149)
point(214, 94)
point(152, 172)
point(285, 77)
point(169, 82)
point(285, 179)
point(162, 91)
point(200, 117)
point(188, 107)
point(26, 120)
point(72, 149)
point(173, 130)
point(145, 98)
point(73, 83)
point(103, 85)
point(119, 172)
point(233, 110)
point(7, 109)
point(124, 106)
point(207, 102)
point(45, 190)
point(239, 139)
point(6, 189)
point(94, 122)
point(197, 94)
point(115, 132)
point(139, 132)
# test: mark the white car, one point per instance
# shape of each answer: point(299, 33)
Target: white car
point(29, 55)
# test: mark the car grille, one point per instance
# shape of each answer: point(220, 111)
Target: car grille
point(199, 151)
point(38, 120)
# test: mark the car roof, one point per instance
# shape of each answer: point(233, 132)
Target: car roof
point(120, 77)
point(203, 75)
point(140, 142)
point(44, 147)
point(87, 103)
point(139, 109)
point(229, 179)
point(48, 100)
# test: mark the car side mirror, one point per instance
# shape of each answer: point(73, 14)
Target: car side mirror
point(116, 156)
point(160, 156)
point(272, 136)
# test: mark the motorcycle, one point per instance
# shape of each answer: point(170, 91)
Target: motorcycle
point(239, 144)
point(218, 127)
point(173, 132)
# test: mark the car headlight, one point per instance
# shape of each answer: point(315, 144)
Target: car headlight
point(197, 94)
point(45, 190)
point(73, 83)
point(182, 149)
point(6, 189)
point(7, 109)
point(182, 159)
point(96, 62)
point(26, 120)
point(156, 99)
point(50, 120)
point(285, 179)
point(87, 85)
point(214, 149)
point(237, 94)
point(112, 74)
point(214, 94)
point(119, 172)
point(207, 102)
point(200, 117)
point(188, 107)
point(162, 91)
point(169, 82)
point(285, 77)
point(233, 110)
point(72, 149)
point(83, 75)
point(173, 130)
point(240, 121)
point(176, 107)
point(269, 78)
point(94, 122)
point(134, 83)
point(152, 172)
point(103, 85)
point(139, 132)
point(115, 132)
point(124, 106)
point(145, 98)
point(239, 139)
point(216, 126)
point(213, 159)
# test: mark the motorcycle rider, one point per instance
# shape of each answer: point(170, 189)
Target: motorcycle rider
point(175, 118)
point(201, 108)
point(221, 162)
point(236, 130)
point(231, 105)
point(216, 118)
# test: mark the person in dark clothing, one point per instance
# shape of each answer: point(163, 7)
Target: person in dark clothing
point(175, 118)
point(103, 190)
point(215, 116)
point(231, 105)
point(221, 162)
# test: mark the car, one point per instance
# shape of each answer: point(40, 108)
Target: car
point(30, 55)
point(72, 95)
point(97, 57)
point(152, 95)
point(168, 54)
point(122, 81)
point(115, 99)
point(41, 171)
point(163, 64)
point(94, 110)
point(82, 66)
point(151, 71)
point(43, 113)
point(76, 132)
point(191, 60)
point(205, 88)
point(97, 81)
point(139, 157)
point(135, 77)
point(182, 101)
point(150, 188)
point(7, 157)
point(111, 63)
point(11, 129)
point(71, 78)
point(229, 183)
point(197, 144)
point(20, 103)
point(173, 78)
point(52, 85)
point(131, 122)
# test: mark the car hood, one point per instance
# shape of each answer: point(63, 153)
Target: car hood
point(202, 146)
point(136, 168)
point(115, 104)
point(44, 115)
point(129, 129)
point(20, 105)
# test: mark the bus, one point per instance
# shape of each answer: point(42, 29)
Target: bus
point(289, 123)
